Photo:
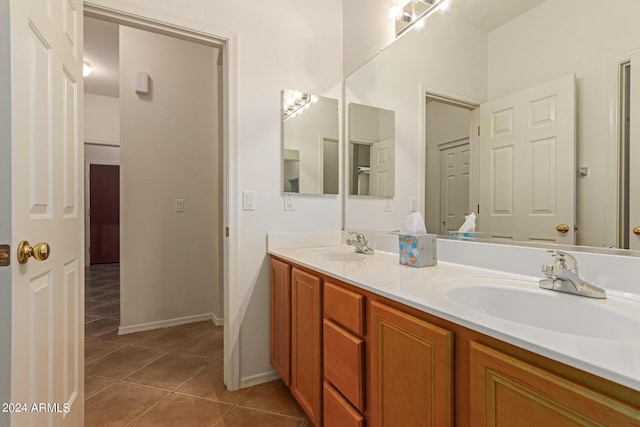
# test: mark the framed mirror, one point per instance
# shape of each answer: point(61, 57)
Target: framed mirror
point(463, 56)
point(310, 143)
point(371, 135)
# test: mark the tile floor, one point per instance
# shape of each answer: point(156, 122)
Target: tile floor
point(166, 377)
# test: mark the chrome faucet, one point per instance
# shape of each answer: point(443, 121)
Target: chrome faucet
point(563, 276)
point(360, 243)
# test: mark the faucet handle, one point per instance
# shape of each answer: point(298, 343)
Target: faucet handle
point(359, 237)
point(564, 260)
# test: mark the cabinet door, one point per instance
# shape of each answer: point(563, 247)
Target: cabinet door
point(411, 372)
point(306, 336)
point(509, 392)
point(281, 319)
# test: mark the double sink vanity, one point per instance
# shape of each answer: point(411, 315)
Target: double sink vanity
point(363, 341)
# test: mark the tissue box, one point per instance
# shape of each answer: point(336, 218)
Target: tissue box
point(418, 250)
point(466, 235)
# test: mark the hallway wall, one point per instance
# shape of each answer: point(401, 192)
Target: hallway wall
point(169, 151)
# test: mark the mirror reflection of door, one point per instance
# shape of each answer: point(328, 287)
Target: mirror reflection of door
point(629, 184)
point(104, 214)
point(527, 164)
point(371, 151)
point(454, 185)
point(448, 186)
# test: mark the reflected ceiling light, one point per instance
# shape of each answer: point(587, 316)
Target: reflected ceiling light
point(86, 69)
point(415, 12)
point(295, 103)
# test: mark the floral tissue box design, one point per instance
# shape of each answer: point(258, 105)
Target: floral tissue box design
point(418, 250)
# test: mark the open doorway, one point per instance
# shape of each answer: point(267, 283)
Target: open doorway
point(450, 140)
point(165, 290)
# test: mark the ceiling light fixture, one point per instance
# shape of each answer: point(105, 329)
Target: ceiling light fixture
point(414, 12)
point(86, 69)
point(296, 103)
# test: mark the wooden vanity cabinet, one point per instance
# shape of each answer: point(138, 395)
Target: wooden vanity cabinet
point(306, 343)
point(357, 359)
point(280, 352)
point(344, 356)
point(411, 370)
point(506, 391)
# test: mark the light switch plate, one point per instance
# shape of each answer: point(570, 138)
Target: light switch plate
point(413, 204)
point(288, 203)
point(179, 205)
point(387, 205)
point(249, 200)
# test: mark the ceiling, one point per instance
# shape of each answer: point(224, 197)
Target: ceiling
point(101, 49)
point(489, 15)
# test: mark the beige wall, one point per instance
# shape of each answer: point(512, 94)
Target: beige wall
point(101, 119)
point(169, 260)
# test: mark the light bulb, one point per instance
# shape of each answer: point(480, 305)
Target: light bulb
point(86, 69)
point(394, 12)
point(444, 6)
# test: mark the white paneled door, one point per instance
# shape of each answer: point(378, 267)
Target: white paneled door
point(47, 187)
point(454, 185)
point(527, 164)
point(634, 155)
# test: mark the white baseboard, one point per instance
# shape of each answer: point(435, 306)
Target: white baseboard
point(218, 321)
point(258, 379)
point(123, 330)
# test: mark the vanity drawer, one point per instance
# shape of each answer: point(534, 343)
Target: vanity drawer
point(344, 363)
point(344, 307)
point(337, 411)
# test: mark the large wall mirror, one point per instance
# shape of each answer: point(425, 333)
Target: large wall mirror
point(371, 133)
point(310, 154)
point(522, 113)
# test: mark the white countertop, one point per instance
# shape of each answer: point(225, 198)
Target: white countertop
point(610, 357)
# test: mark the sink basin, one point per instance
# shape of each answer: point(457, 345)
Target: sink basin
point(528, 305)
point(335, 253)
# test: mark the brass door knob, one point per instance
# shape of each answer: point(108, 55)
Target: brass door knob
point(40, 252)
point(562, 228)
point(636, 231)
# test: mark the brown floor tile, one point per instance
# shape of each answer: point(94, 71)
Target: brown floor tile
point(201, 326)
point(183, 411)
point(208, 384)
point(94, 349)
point(100, 327)
point(123, 362)
point(208, 344)
point(170, 371)
point(119, 405)
point(90, 304)
point(169, 338)
point(273, 396)
point(89, 319)
point(244, 417)
point(132, 338)
point(93, 385)
point(105, 310)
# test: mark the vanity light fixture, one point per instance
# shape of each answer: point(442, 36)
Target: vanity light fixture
point(86, 69)
point(296, 103)
point(414, 13)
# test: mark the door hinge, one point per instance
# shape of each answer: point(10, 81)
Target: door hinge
point(226, 232)
point(478, 209)
point(478, 130)
point(5, 255)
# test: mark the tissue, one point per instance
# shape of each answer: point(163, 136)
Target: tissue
point(417, 248)
point(469, 224)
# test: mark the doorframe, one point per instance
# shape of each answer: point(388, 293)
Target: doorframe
point(87, 202)
point(144, 18)
point(611, 221)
